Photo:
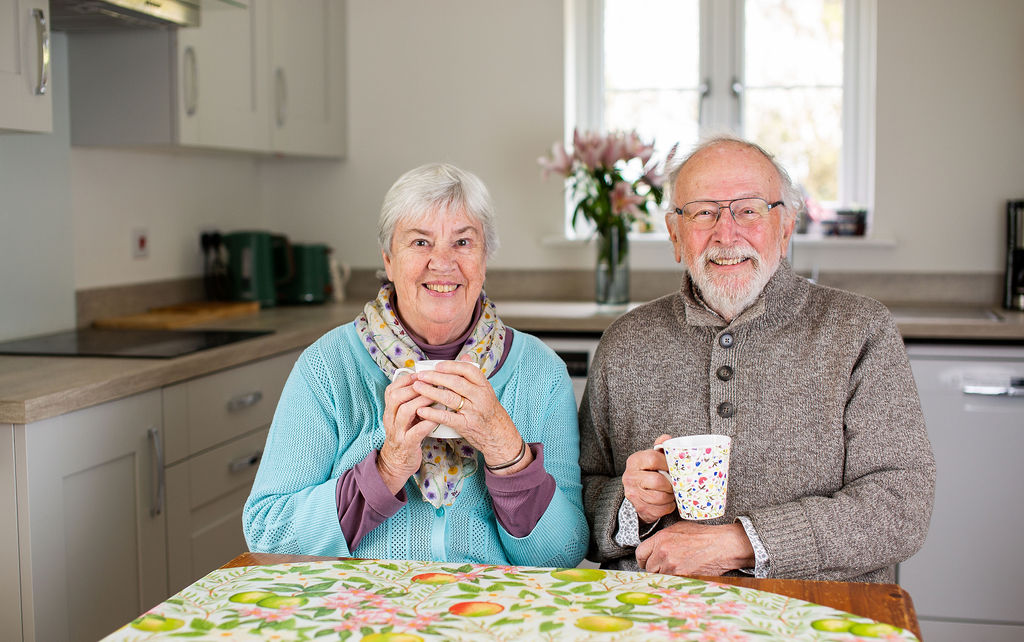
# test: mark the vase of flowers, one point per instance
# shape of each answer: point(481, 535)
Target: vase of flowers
point(615, 185)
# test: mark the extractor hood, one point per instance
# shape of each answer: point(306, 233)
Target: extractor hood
point(100, 15)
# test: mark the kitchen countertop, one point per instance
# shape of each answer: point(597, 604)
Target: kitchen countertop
point(36, 388)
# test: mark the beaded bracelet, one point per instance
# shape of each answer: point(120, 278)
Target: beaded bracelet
point(518, 458)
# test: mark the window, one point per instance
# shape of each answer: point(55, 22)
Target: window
point(796, 76)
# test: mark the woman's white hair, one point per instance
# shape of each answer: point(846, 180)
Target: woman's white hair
point(433, 189)
point(792, 197)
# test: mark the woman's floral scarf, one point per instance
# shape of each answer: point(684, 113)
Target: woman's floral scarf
point(446, 462)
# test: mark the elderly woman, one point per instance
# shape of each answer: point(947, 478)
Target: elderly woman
point(350, 467)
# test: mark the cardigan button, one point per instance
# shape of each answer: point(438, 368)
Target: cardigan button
point(726, 409)
point(726, 340)
point(724, 373)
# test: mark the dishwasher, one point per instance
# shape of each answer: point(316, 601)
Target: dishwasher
point(967, 581)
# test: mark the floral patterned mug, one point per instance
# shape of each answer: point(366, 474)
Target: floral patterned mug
point(698, 469)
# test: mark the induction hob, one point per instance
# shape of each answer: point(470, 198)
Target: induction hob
point(140, 344)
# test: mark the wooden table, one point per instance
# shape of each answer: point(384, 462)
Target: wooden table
point(883, 602)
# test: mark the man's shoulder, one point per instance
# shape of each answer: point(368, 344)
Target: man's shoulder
point(657, 314)
point(834, 301)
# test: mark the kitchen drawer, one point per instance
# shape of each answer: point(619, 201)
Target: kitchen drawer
point(205, 495)
point(206, 411)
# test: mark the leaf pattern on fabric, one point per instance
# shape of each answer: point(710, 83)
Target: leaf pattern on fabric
point(410, 600)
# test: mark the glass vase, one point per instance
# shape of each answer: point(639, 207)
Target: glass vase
point(611, 279)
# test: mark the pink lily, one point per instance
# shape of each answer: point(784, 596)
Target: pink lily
point(625, 200)
point(589, 148)
point(559, 162)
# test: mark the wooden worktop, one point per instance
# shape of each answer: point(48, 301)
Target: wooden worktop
point(35, 388)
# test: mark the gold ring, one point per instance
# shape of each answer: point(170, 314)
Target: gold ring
point(462, 402)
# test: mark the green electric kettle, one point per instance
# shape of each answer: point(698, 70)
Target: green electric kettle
point(258, 264)
point(312, 280)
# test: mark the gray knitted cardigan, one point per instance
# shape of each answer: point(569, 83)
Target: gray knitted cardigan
point(830, 459)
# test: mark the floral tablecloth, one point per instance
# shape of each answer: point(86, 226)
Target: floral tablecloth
point(404, 601)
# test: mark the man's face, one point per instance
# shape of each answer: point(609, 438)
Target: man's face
point(729, 264)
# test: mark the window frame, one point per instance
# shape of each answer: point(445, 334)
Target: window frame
point(721, 59)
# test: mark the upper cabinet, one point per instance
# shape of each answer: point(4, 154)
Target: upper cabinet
point(307, 54)
point(266, 78)
point(25, 103)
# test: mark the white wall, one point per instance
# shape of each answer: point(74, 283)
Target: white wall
point(474, 82)
point(172, 196)
point(479, 83)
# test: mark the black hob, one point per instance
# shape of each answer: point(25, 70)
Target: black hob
point(140, 344)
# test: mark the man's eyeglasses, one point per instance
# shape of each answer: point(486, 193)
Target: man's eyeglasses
point(747, 212)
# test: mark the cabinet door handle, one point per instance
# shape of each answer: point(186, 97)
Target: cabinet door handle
point(281, 96)
point(43, 38)
point(191, 81)
point(157, 506)
point(1013, 388)
point(241, 402)
point(245, 463)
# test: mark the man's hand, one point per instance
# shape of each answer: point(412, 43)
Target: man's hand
point(689, 548)
point(647, 489)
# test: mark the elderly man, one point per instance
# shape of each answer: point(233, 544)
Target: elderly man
point(831, 475)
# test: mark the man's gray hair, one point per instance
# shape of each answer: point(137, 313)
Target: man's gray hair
point(792, 198)
point(433, 189)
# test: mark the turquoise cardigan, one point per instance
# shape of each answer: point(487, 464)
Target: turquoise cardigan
point(328, 420)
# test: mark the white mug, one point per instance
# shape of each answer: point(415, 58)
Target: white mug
point(442, 431)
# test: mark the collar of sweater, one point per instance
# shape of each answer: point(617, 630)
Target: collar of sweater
point(781, 299)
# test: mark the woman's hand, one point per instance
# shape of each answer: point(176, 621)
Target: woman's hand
point(646, 488)
point(481, 420)
point(404, 430)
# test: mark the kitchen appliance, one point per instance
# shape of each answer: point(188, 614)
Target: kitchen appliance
point(966, 578)
point(93, 15)
point(258, 264)
point(311, 282)
point(1013, 298)
point(141, 344)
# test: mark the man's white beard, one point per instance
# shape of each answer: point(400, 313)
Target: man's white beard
point(731, 295)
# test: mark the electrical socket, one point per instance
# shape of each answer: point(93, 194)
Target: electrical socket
point(140, 243)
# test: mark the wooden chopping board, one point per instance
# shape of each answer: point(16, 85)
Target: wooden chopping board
point(181, 315)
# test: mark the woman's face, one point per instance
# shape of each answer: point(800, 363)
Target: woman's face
point(437, 265)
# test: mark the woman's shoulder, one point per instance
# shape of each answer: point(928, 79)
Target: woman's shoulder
point(526, 345)
point(339, 347)
point(529, 354)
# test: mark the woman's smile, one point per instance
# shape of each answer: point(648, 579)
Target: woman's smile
point(441, 288)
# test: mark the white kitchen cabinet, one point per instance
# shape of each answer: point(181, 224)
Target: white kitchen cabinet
point(265, 78)
point(965, 579)
point(10, 594)
point(216, 429)
point(205, 496)
point(221, 82)
point(25, 92)
point(307, 63)
point(91, 518)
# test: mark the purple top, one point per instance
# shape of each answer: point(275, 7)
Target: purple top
point(519, 499)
